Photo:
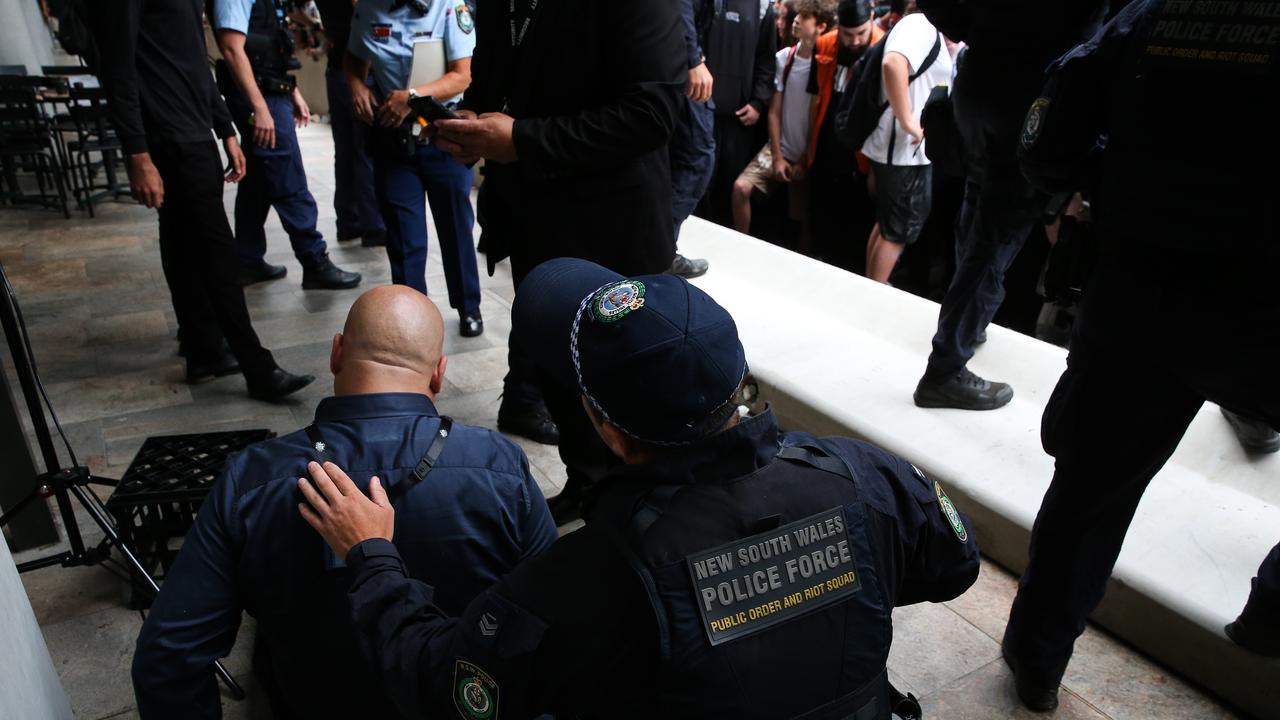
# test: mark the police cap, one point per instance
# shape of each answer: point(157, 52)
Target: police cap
point(653, 354)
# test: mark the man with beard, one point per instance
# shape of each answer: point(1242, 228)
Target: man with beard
point(840, 209)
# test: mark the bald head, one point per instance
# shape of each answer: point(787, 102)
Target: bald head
point(394, 336)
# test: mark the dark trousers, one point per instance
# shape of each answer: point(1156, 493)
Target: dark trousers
point(275, 178)
point(735, 146)
point(401, 179)
point(693, 158)
point(1000, 208)
point(1158, 334)
point(354, 200)
point(198, 254)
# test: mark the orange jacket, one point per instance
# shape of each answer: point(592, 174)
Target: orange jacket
point(824, 56)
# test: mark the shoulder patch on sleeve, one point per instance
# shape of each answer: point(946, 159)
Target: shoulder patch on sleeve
point(1034, 123)
point(949, 511)
point(475, 692)
point(462, 14)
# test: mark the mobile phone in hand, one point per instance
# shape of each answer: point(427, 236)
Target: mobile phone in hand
point(431, 110)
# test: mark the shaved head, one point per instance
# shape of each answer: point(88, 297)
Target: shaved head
point(392, 334)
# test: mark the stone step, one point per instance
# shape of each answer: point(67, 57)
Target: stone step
point(839, 354)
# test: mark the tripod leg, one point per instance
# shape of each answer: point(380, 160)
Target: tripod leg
point(13, 512)
point(108, 528)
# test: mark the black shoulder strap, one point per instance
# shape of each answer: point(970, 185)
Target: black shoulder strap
point(420, 471)
point(814, 455)
point(928, 61)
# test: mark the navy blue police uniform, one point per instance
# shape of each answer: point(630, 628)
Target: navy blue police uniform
point(462, 522)
point(354, 201)
point(1003, 69)
point(693, 144)
point(741, 573)
point(384, 33)
point(274, 177)
point(1188, 247)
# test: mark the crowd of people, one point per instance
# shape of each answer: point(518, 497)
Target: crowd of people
point(726, 568)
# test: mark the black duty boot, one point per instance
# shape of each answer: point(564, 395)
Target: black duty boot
point(1037, 693)
point(324, 275)
point(963, 391)
point(277, 385)
point(260, 273)
point(528, 420)
point(221, 366)
point(1254, 435)
point(470, 324)
point(688, 269)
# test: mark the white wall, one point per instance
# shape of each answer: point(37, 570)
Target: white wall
point(24, 39)
point(29, 687)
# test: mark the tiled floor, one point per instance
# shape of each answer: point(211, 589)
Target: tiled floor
point(102, 327)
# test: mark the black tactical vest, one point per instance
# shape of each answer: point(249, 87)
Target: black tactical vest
point(268, 43)
point(764, 587)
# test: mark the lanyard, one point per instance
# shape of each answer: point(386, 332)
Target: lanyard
point(518, 39)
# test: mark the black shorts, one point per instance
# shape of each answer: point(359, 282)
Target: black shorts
point(904, 194)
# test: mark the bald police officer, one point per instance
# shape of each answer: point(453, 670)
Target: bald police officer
point(1188, 246)
point(385, 34)
point(726, 570)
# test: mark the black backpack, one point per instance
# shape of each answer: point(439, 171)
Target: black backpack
point(74, 34)
point(861, 108)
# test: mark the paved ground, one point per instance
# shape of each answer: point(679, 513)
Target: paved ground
point(102, 327)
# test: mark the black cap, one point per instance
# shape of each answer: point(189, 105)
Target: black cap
point(853, 13)
point(654, 355)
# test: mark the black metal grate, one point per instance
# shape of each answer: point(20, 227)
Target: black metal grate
point(160, 494)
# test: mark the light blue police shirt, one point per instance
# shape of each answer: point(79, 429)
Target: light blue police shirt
point(232, 15)
point(385, 38)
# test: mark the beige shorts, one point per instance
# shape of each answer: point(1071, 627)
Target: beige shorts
point(759, 173)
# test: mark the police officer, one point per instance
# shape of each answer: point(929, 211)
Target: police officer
point(469, 512)
point(354, 201)
point(1188, 245)
point(1009, 48)
point(693, 144)
point(726, 570)
point(257, 55)
point(384, 35)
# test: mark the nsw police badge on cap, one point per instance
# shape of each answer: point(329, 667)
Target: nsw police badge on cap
point(616, 301)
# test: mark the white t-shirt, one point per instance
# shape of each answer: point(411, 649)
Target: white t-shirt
point(913, 37)
point(795, 103)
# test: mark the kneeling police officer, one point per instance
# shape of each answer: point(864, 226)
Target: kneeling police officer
point(726, 569)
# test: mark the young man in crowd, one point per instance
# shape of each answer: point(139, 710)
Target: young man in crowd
point(840, 209)
point(916, 60)
point(784, 159)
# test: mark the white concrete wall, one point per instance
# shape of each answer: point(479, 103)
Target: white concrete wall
point(29, 686)
point(24, 39)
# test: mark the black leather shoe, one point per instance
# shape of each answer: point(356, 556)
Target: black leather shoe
point(224, 365)
point(688, 269)
point(278, 384)
point(374, 238)
point(530, 421)
point(262, 273)
point(1038, 694)
point(324, 275)
point(1254, 435)
point(964, 391)
point(1262, 638)
point(470, 324)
